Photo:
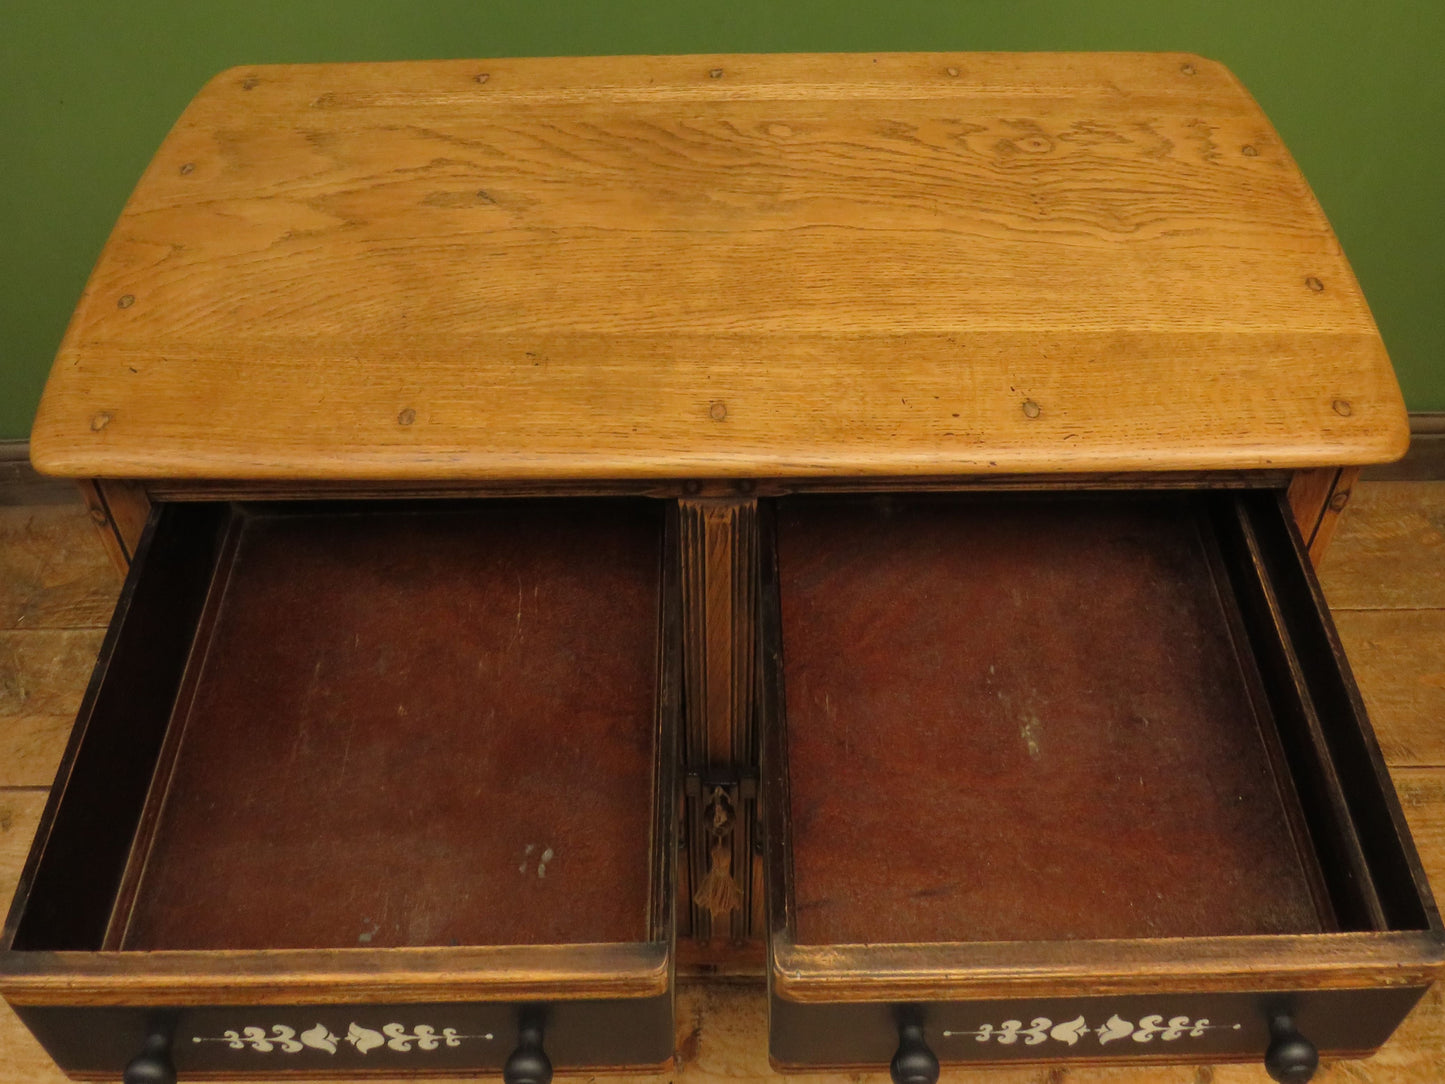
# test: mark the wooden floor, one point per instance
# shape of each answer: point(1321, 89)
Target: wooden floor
point(1385, 577)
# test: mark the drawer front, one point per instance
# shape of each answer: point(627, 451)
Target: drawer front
point(350, 1040)
point(1185, 1027)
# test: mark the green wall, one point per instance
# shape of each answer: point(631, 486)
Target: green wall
point(88, 89)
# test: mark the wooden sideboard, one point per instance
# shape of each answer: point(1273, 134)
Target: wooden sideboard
point(843, 517)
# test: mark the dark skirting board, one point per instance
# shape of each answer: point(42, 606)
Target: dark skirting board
point(1027, 720)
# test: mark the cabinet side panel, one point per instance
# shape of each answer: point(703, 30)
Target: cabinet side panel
point(130, 510)
point(105, 528)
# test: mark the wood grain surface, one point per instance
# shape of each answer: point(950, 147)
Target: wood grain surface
point(1398, 657)
point(31, 748)
point(38, 668)
point(1317, 497)
point(720, 266)
point(1309, 492)
point(57, 590)
point(1391, 552)
point(128, 508)
point(53, 575)
point(1339, 498)
point(105, 526)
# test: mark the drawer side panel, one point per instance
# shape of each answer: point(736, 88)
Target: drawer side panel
point(64, 898)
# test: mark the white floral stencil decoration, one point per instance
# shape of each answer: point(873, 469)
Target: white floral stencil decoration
point(1041, 1030)
point(285, 1040)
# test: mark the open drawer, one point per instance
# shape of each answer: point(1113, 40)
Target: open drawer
point(367, 787)
point(1076, 776)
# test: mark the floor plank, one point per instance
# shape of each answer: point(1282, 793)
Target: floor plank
point(20, 1055)
point(1389, 552)
point(1398, 657)
point(44, 672)
point(43, 675)
point(31, 748)
point(1422, 796)
point(54, 573)
point(19, 814)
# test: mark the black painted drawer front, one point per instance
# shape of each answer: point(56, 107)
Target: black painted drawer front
point(1186, 1027)
point(258, 1041)
point(1023, 749)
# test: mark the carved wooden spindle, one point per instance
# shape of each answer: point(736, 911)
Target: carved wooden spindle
point(1291, 1058)
point(153, 1064)
point(719, 555)
point(913, 1062)
point(528, 1063)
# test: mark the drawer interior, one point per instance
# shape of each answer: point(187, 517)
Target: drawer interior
point(401, 725)
point(1063, 717)
point(1027, 720)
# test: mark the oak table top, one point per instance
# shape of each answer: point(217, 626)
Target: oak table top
point(730, 266)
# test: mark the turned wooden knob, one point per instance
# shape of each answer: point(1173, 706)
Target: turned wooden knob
point(528, 1063)
point(913, 1062)
point(153, 1064)
point(1291, 1058)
